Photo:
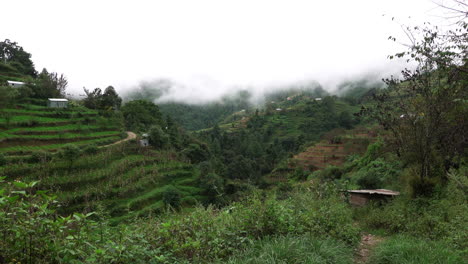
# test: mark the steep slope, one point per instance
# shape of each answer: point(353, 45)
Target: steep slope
point(334, 149)
point(30, 127)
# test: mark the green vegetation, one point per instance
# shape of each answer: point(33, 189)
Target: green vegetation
point(263, 186)
point(296, 249)
point(408, 250)
point(202, 235)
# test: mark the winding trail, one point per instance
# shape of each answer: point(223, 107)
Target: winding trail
point(130, 135)
point(367, 244)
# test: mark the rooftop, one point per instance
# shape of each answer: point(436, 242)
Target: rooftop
point(376, 191)
point(14, 82)
point(58, 99)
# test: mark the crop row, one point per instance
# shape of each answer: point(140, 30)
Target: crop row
point(64, 128)
point(77, 136)
point(28, 149)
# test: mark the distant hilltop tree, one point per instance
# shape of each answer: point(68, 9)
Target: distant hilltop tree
point(109, 100)
point(14, 56)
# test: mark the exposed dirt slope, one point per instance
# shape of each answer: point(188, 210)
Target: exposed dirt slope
point(333, 150)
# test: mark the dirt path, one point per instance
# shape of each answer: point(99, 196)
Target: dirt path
point(130, 135)
point(367, 244)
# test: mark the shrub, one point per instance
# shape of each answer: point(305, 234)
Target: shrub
point(377, 174)
point(40, 156)
point(158, 138)
point(70, 152)
point(206, 234)
point(172, 197)
point(442, 217)
point(90, 149)
point(3, 160)
point(32, 232)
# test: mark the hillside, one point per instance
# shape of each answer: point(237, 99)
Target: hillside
point(334, 149)
point(370, 176)
point(124, 180)
point(31, 126)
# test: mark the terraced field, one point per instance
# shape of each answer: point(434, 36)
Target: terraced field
point(333, 151)
point(125, 181)
point(29, 127)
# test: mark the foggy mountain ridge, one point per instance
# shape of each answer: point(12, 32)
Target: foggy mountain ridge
point(162, 91)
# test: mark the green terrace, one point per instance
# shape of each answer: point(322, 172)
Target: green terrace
point(29, 127)
point(52, 147)
point(57, 129)
point(125, 180)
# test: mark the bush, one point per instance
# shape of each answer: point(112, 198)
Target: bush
point(296, 249)
point(442, 217)
point(158, 138)
point(91, 149)
point(408, 250)
point(196, 153)
point(206, 234)
point(40, 156)
point(70, 152)
point(377, 174)
point(3, 160)
point(171, 197)
point(33, 232)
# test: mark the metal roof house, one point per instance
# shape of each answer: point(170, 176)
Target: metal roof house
point(363, 197)
point(15, 84)
point(57, 102)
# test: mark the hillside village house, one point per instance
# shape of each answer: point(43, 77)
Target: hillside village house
point(57, 102)
point(15, 84)
point(363, 197)
point(144, 142)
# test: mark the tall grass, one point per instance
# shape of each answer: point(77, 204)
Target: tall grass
point(409, 250)
point(295, 249)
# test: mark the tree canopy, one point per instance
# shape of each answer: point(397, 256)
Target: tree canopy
point(426, 110)
point(15, 56)
point(140, 115)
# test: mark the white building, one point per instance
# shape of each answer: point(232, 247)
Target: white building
point(144, 141)
point(15, 84)
point(57, 102)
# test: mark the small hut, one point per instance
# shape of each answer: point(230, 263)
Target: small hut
point(57, 103)
point(362, 197)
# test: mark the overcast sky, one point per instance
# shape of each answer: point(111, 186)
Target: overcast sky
point(209, 46)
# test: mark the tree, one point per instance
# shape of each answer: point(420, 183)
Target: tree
point(196, 153)
point(140, 115)
point(70, 152)
point(13, 54)
point(158, 138)
point(345, 120)
point(110, 99)
point(171, 197)
point(426, 112)
point(93, 98)
point(50, 85)
point(7, 96)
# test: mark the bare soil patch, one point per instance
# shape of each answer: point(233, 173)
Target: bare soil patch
point(367, 244)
